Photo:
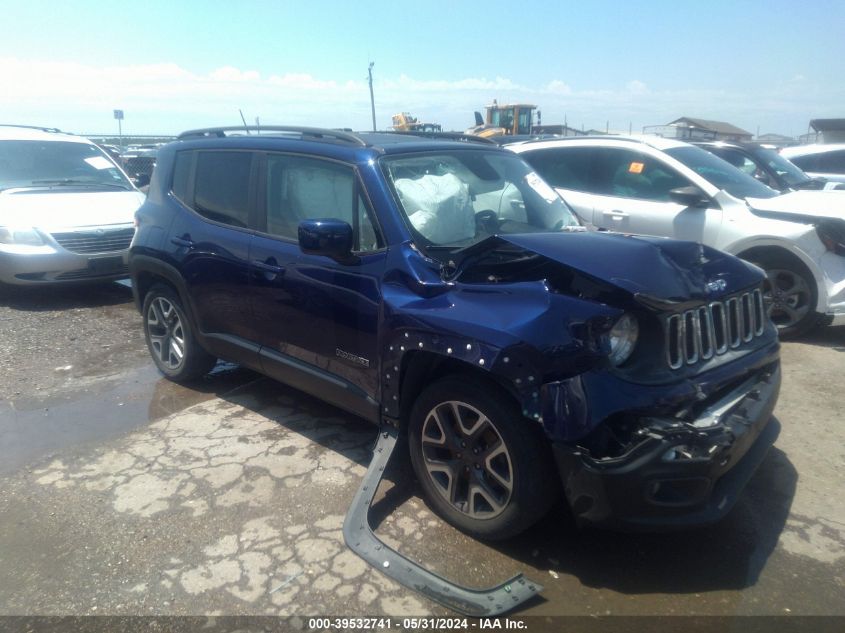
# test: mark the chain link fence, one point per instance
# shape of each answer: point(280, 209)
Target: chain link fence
point(136, 154)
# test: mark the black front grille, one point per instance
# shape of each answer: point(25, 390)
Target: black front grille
point(99, 241)
point(86, 273)
point(713, 329)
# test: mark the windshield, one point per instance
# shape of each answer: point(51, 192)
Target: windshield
point(57, 163)
point(460, 197)
point(790, 173)
point(721, 173)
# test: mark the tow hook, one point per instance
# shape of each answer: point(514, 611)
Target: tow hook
point(360, 539)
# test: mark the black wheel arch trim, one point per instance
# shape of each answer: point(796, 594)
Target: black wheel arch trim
point(141, 264)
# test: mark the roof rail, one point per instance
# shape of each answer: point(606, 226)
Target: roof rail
point(53, 130)
point(305, 133)
point(590, 137)
point(446, 136)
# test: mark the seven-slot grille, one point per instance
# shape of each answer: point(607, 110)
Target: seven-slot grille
point(713, 329)
point(99, 241)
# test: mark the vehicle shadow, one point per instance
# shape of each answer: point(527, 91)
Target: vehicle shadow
point(728, 555)
point(832, 337)
point(322, 423)
point(64, 297)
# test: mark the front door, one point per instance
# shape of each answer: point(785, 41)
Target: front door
point(318, 318)
point(632, 196)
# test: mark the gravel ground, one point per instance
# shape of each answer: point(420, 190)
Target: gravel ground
point(53, 338)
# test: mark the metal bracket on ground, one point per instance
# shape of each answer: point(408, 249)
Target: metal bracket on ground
point(361, 539)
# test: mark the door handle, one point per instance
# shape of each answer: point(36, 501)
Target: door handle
point(186, 241)
point(616, 215)
point(269, 268)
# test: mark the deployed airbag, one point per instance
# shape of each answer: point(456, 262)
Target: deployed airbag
point(439, 207)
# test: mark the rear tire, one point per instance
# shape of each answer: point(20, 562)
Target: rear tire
point(485, 468)
point(170, 337)
point(790, 295)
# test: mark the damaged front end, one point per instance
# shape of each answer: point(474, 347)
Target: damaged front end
point(669, 437)
point(655, 470)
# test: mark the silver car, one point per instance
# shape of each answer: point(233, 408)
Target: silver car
point(66, 209)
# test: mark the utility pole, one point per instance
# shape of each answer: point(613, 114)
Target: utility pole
point(372, 99)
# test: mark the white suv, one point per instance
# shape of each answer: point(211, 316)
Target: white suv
point(825, 160)
point(657, 186)
point(66, 209)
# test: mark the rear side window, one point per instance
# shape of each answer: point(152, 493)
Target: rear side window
point(221, 190)
point(832, 162)
point(565, 168)
point(181, 172)
point(807, 163)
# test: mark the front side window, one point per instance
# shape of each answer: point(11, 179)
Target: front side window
point(300, 188)
point(628, 173)
point(460, 197)
point(57, 164)
point(221, 191)
point(737, 159)
point(720, 173)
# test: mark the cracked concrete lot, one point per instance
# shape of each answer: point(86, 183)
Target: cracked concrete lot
point(227, 499)
point(124, 494)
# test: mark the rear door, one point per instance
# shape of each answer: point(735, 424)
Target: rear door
point(211, 242)
point(319, 319)
point(568, 170)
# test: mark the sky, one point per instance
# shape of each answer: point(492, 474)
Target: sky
point(181, 64)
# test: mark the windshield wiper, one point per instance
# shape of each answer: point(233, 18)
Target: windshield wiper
point(70, 182)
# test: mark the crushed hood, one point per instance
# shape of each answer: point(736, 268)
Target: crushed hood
point(54, 210)
point(802, 205)
point(654, 270)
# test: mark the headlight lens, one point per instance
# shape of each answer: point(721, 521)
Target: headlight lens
point(25, 236)
point(623, 337)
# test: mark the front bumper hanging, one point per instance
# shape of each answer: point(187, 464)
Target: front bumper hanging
point(361, 540)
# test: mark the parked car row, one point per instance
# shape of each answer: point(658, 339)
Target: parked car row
point(443, 287)
point(517, 312)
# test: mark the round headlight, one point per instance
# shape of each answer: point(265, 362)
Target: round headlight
point(623, 338)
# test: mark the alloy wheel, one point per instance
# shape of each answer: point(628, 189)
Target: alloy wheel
point(467, 459)
point(786, 295)
point(167, 335)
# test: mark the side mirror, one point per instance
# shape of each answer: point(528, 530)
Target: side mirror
point(328, 237)
point(690, 196)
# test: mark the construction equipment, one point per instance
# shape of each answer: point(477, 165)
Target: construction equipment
point(504, 120)
point(404, 122)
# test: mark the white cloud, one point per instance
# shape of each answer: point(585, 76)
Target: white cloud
point(558, 87)
point(167, 98)
point(636, 87)
point(231, 74)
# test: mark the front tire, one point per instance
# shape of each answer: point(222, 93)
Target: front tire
point(485, 468)
point(790, 296)
point(170, 338)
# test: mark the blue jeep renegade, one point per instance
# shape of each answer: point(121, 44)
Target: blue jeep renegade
point(442, 287)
